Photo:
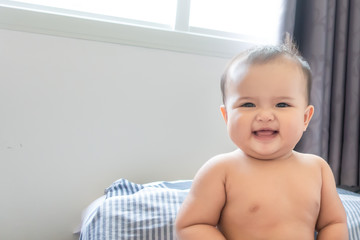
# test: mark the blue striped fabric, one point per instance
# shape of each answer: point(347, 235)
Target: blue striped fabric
point(130, 211)
point(351, 202)
point(136, 211)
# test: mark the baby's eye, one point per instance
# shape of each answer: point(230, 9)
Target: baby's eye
point(248, 105)
point(282, 105)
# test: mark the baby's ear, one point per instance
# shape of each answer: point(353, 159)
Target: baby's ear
point(309, 112)
point(224, 113)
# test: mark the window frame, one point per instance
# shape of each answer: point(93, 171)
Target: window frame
point(22, 17)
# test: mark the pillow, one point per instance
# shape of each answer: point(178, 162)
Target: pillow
point(135, 211)
point(147, 211)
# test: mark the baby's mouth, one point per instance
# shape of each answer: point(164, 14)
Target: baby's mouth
point(265, 133)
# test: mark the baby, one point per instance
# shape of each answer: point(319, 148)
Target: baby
point(264, 189)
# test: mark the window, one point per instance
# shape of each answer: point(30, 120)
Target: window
point(212, 27)
point(124, 10)
point(238, 19)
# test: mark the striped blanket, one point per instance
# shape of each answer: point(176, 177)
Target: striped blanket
point(130, 211)
point(351, 202)
point(133, 211)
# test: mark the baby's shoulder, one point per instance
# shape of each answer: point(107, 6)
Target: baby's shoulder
point(214, 170)
point(228, 158)
point(224, 160)
point(311, 159)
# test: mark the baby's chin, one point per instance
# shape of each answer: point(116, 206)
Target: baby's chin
point(269, 156)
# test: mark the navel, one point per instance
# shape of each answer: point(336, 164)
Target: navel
point(254, 208)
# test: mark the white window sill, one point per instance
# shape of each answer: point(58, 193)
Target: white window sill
point(110, 31)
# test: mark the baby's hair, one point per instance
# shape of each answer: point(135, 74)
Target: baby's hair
point(265, 54)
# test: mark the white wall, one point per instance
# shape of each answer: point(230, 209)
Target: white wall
point(76, 115)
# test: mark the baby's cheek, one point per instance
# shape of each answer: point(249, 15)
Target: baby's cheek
point(235, 134)
point(295, 130)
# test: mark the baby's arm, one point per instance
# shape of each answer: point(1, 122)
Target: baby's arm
point(200, 212)
point(331, 223)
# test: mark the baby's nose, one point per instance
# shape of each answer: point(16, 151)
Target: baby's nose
point(265, 116)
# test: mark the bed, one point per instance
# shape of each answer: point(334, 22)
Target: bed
point(147, 211)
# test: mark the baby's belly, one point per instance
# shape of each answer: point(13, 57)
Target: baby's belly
point(280, 231)
point(268, 221)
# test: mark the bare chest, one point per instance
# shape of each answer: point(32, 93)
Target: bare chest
point(262, 200)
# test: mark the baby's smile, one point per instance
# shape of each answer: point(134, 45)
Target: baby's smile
point(265, 133)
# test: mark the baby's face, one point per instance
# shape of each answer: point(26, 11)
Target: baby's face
point(266, 109)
